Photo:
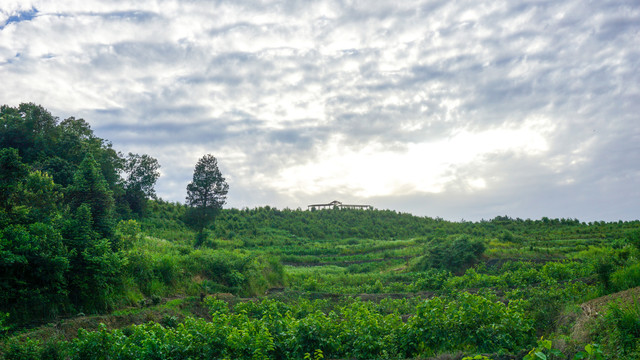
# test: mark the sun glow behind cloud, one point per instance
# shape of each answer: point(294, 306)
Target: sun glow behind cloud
point(425, 167)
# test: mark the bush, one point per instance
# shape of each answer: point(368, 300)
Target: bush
point(4, 324)
point(470, 321)
point(140, 266)
point(633, 238)
point(202, 239)
point(128, 232)
point(620, 327)
point(451, 254)
point(167, 269)
point(604, 269)
point(53, 351)
point(27, 349)
point(431, 280)
point(276, 330)
point(626, 278)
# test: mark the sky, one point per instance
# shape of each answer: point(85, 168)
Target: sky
point(463, 109)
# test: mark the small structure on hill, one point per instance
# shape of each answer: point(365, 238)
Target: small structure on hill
point(337, 204)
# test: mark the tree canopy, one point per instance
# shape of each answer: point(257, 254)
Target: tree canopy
point(141, 176)
point(206, 193)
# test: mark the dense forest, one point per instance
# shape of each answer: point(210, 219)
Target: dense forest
point(94, 265)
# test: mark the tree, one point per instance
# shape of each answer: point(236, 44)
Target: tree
point(12, 172)
point(33, 267)
point(94, 266)
point(206, 193)
point(89, 187)
point(30, 128)
point(142, 174)
point(453, 253)
point(39, 199)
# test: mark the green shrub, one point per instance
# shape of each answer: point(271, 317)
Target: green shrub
point(604, 268)
point(591, 352)
point(451, 254)
point(94, 345)
point(365, 333)
point(53, 350)
point(621, 324)
point(626, 278)
point(140, 266)
point(544, 303)
point(544, 351)
point(216, 306)
point(203, 239)
point(4, 324)
point(167, 269)
point(128, 232)
point(633, 238)
point(431, 279)
point(27, 349)
point(470, 321)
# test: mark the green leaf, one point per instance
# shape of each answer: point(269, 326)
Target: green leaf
point(589, 349)
point(541, 355)
point(579, 356)
point(555, 352)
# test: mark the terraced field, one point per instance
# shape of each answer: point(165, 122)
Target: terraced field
point(295, 284)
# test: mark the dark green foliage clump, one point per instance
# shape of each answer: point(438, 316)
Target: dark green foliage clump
point(89, 188)
point(59, 149)
point(633, 238)
point(452, 254)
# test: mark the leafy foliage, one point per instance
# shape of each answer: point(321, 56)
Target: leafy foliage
point(620, 329)
point(591, 352)
point(60, 187)
point(12, 170)
point(469, 320)
point(274, 330)
point(90, 188)
point(543, 351)
point(142, 174)
point(451, 254)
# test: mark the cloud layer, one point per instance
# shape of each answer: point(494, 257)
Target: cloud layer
point(466, 109)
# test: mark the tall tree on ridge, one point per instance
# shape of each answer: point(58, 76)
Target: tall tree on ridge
point(206, 193)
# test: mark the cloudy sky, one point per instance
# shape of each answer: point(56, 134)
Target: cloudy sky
point(459, 109)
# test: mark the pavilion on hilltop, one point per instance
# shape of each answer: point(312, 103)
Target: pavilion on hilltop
point(339, 205)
